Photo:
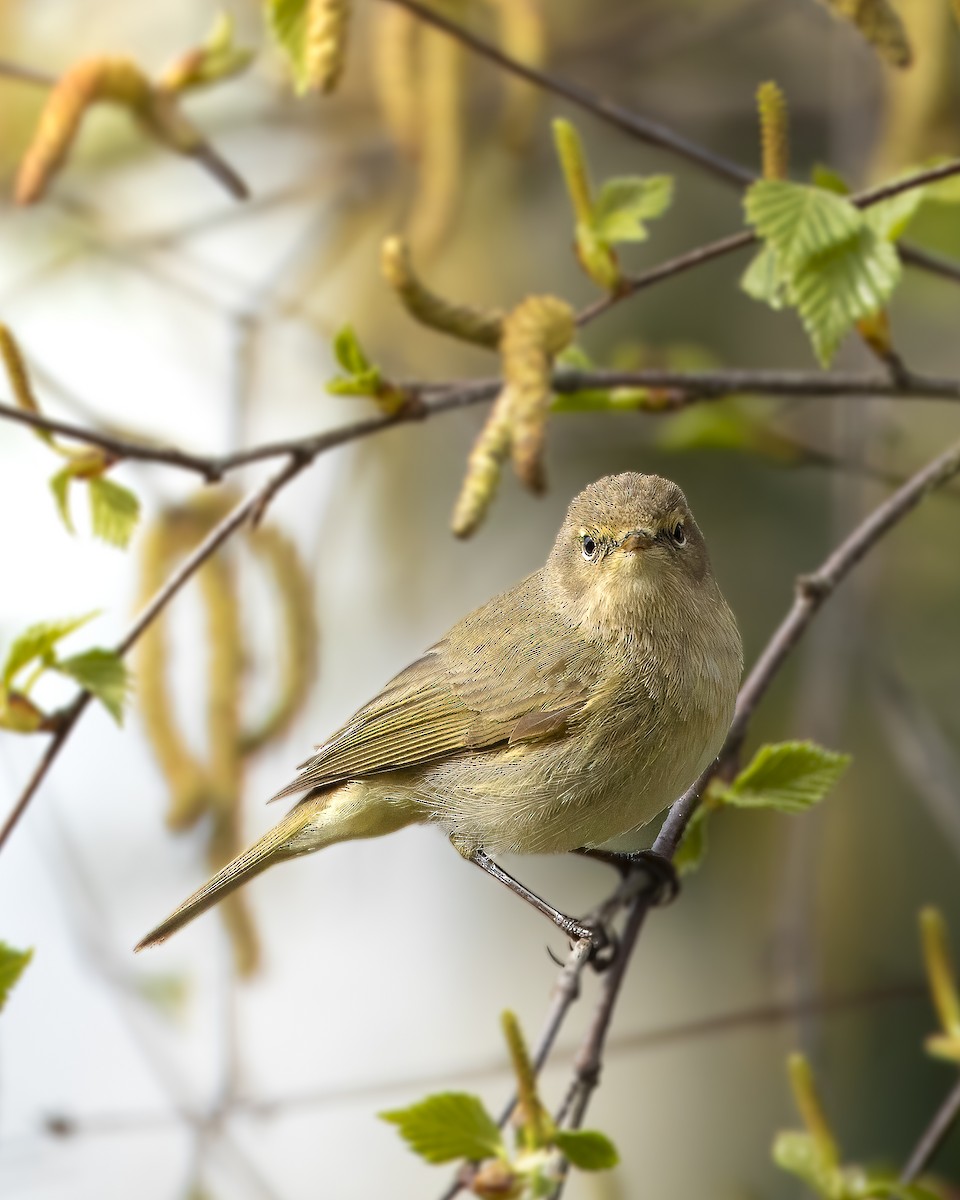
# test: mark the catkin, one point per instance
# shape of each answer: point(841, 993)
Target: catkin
point(774, 131)
point(534, 333)
point(395, 76)
point(325, 42)
point(297, 602)
point(484, 327)
point(880, 23)
point(441, 140)
point(118, 80)
point(522, 36)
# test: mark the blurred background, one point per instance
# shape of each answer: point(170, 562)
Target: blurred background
point(251, 1063)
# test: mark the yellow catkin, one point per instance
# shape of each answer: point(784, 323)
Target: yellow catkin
point(880, 23)
point(185, 778)
point(395, 76)
point(297, 603)
point(440, 174)
point(16, 369)
point(774, 131)
point(483, 469)
point(534, 333)
point(522, 36)
point(481, 326)
point(325, 42)
point(117, 80)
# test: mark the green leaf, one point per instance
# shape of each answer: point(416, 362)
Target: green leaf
point(288, 24)
point(587, 1149)
point(12, 965)
point(890, 218)
point(624, 203)
point(799, 1154)
point(102, 673)
point(448, 1126)
point(799, 221)
point(38, 642)
point(114, 511)
point(829, 180)
point(763, 279)
point(60, 486)
point(693, 845)
point(348, 351)
point(788, 776)
point(834, 290)
point(363, 377)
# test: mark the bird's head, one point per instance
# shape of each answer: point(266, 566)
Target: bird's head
point(625, 538)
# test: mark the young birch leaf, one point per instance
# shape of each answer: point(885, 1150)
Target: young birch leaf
point(789, 777)
point(693, 845)
point(798, 221)
point(348, 351)
point(624, 203)
point(889, 219)
point(834, 290)
point(12, 965)
point(114, 511)
point(288, 24)
point(800, 1154)
point(829, 180)
point(763, 279)
point(38, 642)
point(587, 1149)
point(103, 674)
point(448, 1126)
point(60, 486)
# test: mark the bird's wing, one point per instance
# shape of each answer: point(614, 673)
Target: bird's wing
point(511, 671)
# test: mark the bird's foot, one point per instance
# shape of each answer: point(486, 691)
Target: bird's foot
point(603, 941)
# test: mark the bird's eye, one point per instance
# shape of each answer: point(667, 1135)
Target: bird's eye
point(590, 548)
point(679, 536)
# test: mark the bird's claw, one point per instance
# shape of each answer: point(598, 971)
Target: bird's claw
point(663, 883)
point(603, 941)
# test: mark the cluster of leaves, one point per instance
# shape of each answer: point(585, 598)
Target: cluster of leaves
point(98, 671)
point(361, 376)
point(787, 777)
point(455, 1125)
point(834, 263)
point(813, 1153)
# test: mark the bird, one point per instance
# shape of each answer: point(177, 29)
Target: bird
point(563, 715)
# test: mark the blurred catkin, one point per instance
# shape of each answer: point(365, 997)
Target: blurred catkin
point(880, 23)
point(325, 42)
point(522, 36)
point(395, 74)
point(213, 787)
point(441, 147)
point(482, 326)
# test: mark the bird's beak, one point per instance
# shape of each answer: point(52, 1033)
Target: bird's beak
point(638, 539)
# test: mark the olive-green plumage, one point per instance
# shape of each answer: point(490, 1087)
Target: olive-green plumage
point(565, 713)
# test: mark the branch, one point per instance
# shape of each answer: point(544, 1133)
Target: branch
point(687, 387)
point(645, 130)
point(933, 1135)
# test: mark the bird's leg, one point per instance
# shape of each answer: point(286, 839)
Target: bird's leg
point(664, 883)
point(573, 929)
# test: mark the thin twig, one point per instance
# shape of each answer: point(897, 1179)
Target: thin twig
point(645, 130)
point(685, 388)
point(933, 1135)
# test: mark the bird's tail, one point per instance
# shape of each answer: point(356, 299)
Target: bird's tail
point(282, 841)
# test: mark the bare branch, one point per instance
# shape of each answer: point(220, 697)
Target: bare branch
point(933, 1135)
point(645, 130)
